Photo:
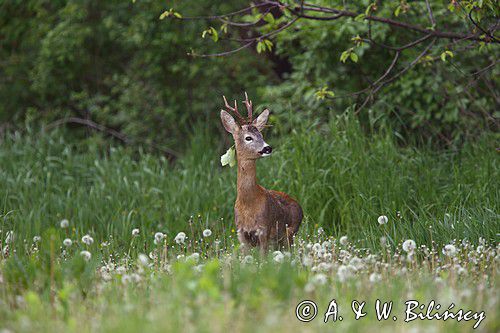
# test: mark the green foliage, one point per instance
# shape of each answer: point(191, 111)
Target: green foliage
point(441, 99)
point(119, 63)
point(343, 179)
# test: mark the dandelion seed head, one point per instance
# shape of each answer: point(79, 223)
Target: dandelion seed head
point(207, 233)
point(409, 246)
point(343, 240)
point(135, 232)
point(64, 224)
point(159, 236)
point(278, 256)
point(375, 277)
point(143, 259)
point(86, 255)
point(180, 238)
point(36, 239)
point(87, 240)
point(67, 242)
point(449, 250)
point(194, 257)
point(382, 219)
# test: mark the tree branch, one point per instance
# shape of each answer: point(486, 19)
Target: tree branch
point(109, 131)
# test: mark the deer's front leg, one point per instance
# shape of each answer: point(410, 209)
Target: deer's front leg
point(263, 242)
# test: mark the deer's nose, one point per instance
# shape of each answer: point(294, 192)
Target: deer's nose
point(267, 150)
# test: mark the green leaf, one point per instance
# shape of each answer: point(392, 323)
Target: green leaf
point(397, 11)
point(446, 54)
point(269, 44)
point(360, 17)
point(223, 28)
point(229, 158)
point(269, 18)
point(164, 15)
point(354, 57)
point(344, 56)
point(323, 93)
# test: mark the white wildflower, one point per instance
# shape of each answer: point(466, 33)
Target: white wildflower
point(316, 247)
point(450, 250)
point(207, 233)
point(343, 273)
point(120, 270)
point(375, 277)
point(409, 245)
point(382, 219)
point(36, 239)
point(198, 268)
point(307, 261)
point(278, 256)
point(67, 242)
point(321, 231)
point(64, 224)
point(343, 240)
point(86, 255)
point(143, 259)
point(87, 240)
point(180, 238)
point(319, 279)
point(135, 232)
point(195, 257)
point(159, 236)
point(248, 259)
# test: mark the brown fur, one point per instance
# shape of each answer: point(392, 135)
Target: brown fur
point(263, 217)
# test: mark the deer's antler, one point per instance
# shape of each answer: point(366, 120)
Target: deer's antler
point(248, 105)
point(233, 109)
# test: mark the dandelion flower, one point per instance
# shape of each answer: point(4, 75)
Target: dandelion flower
point(316, 247)
point(248, 259)
point(450, 250)
point(87, 240)
point(382, 219)
point(195, 257)
point(143, 259)
point(207, 233)
point(64, 223)
point(375, 277)
point(343, 240)
point(180, 238)
point(36, 239)
point(409, 245)
point(321, 231)
point(319, 279)
point(86, 255)
point(135, 232)
point(67, 242)
point(278, 256)
point(159, 237)
point(343, 273)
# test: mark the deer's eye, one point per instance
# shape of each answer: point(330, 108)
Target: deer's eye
point(248, 138)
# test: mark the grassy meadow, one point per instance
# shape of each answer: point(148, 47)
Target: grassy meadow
point(112, 239)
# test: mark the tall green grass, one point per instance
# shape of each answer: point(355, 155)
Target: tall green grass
point(343, 179)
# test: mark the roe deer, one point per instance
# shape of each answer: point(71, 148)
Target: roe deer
point(263, 217)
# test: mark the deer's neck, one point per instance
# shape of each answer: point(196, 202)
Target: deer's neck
point(247, 181)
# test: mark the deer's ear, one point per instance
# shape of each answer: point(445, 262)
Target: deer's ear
point(261, 120)
point(228, 121)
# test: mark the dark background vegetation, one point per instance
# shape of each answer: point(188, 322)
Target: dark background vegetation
point(118, 65)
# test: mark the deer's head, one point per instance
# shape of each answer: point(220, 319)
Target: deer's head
point(250, 144)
